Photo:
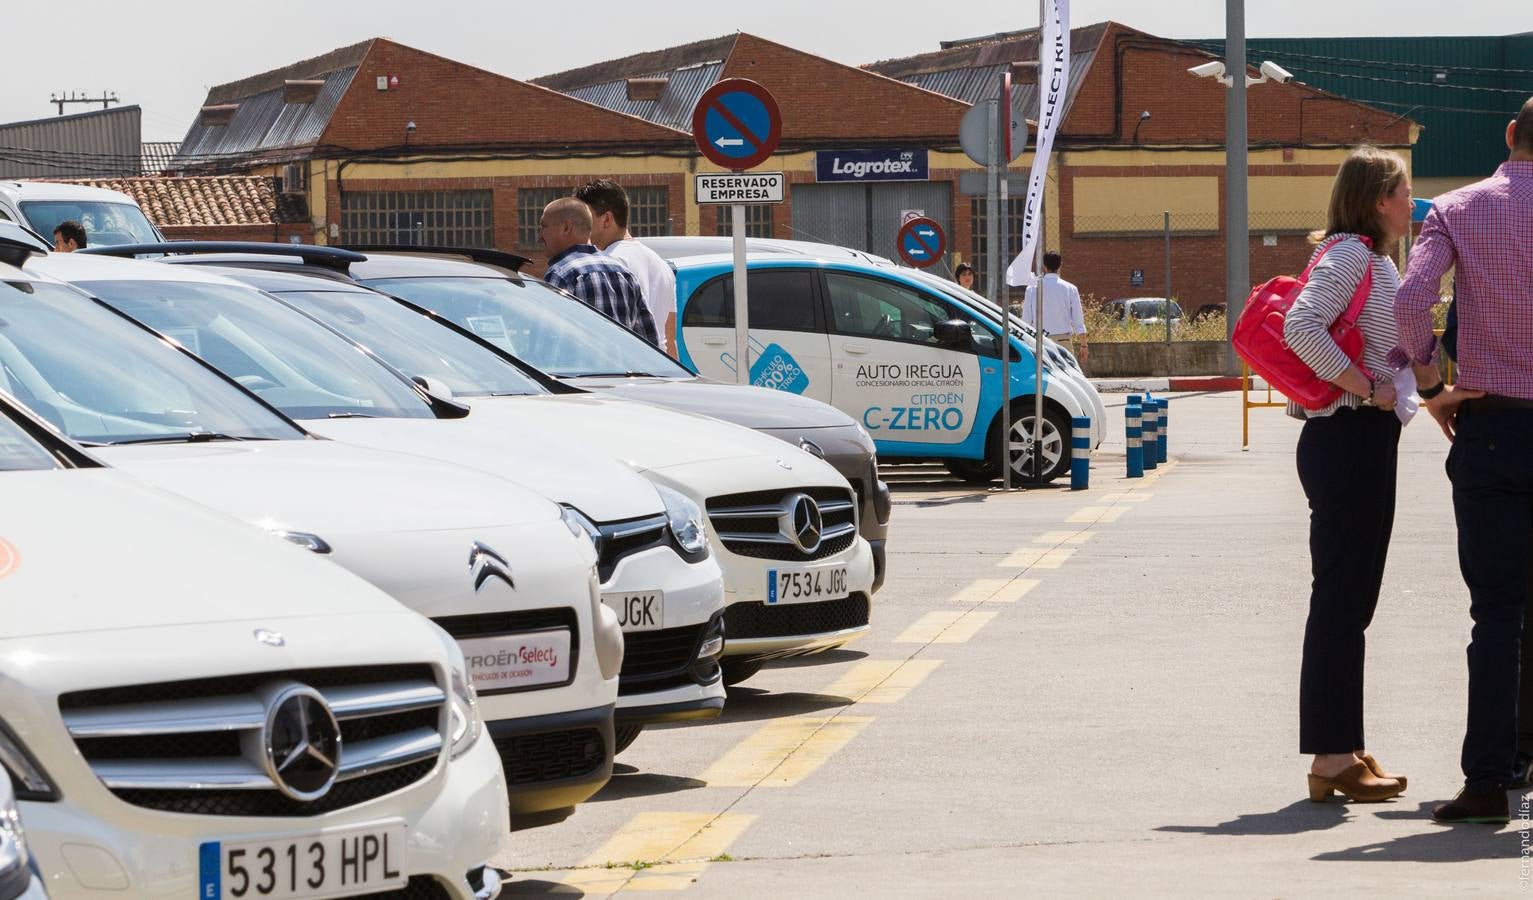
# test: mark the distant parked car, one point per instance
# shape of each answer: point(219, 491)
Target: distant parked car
point(1143, 310)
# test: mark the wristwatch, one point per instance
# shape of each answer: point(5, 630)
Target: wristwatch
point(1372, 385)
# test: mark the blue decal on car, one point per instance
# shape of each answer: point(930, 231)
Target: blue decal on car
point(776, 368)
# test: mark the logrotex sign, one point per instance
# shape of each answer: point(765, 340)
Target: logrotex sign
point(870, 165)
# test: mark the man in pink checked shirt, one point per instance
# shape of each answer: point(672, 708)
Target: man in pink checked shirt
point(1485, 232)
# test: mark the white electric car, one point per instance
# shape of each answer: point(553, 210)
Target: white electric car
point(783, 524)
point(503, 570)
point(655, 568)
point(186, 709)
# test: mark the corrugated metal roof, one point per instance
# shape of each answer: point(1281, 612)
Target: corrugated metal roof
point(1484, 82)
point(103, 142)
point(157, 155)
point(265, 122)
point(975, 83)
point(683, 88)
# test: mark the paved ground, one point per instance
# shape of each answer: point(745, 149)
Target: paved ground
point(1070, 694)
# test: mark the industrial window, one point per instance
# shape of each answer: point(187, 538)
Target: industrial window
point(529, 214)
point(980, 224)
point(758, 221)
point(649, 211)
point(419, 218)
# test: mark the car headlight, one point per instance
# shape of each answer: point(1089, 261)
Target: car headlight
point(15, 871)
point(466, 724)
point(686, 523)
point(26, 776)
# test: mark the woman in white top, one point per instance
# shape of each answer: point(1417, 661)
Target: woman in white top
point(1346, 461)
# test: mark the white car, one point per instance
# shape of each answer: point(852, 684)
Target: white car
point(185, 709)
point(505, 571)
point(108, 217)
point(798, 578)
point(655, 568)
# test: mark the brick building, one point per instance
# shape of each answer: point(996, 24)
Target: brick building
point(386, 143)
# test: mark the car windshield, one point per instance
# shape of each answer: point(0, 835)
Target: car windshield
point(104, 223)
point(19, 452)
point(549, 330)
point(274, 351)
point(413, 344)
point(101, 379)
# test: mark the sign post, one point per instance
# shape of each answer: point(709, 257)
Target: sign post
point(737, 126)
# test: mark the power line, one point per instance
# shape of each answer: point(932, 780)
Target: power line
point(1218, 46)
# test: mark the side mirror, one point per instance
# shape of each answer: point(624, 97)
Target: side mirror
point(439, 396)
point(953, 333)
point(432, 386)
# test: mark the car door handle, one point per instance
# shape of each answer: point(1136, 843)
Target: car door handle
point(855, 349)
point(715, 341)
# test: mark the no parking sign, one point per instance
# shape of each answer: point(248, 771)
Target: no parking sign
point(737, 124)
point(921, 242)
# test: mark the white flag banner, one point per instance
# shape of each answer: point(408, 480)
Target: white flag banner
point(1053, 84)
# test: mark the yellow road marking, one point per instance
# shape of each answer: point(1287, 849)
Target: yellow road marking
point(1092, 514)
point(784, 752)
point(1125, 497)
point(882, 680)
point(995, 590)
point(1037, 558)
point(676, 845)
point(945, 627)
point(1063, 537)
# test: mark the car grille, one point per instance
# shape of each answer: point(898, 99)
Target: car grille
point(177, 746)
point(758, 620)
point(551, 755)
point(760, 524)
point(620, 540)
point(419, 887)
point(657, 660)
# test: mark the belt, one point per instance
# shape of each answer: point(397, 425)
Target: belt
point(1496, 401)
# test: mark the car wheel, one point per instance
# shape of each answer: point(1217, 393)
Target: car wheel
point(1056, 444)
point(624, 735)
point(737, 670)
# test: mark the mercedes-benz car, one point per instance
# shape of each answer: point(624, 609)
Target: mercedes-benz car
point(504, 570)
point(186, 710)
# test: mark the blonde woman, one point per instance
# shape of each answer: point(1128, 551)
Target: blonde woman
point(1346, 461)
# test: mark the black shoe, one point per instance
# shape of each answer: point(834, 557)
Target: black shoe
point(1522, 771)
point(1483, 806)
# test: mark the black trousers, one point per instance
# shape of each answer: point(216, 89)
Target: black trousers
point(1491, 466)
point(1347, 466)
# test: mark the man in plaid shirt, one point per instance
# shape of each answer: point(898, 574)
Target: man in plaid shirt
point(1485, 233)
point(575, 265)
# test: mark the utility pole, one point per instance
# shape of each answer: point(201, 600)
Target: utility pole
point(1237, 223)
point(58, 99)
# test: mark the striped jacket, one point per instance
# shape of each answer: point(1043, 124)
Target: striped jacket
point(1307, 327)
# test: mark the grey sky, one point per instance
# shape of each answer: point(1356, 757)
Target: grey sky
point(164, 56)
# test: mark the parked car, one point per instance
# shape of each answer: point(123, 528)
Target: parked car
point(109, 217)
point(186, 710)
point(1143, 310)
point(918, 367)
point(790, 592)
point(506, 572)
point(655, 567)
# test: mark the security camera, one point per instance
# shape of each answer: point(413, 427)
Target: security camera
point(1144, 115)
point(1214, 69)
point(1276, 72)
point(410, 126)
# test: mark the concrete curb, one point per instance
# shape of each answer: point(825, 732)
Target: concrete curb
point(1167, 385)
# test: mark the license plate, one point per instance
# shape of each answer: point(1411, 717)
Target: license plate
point(327, 864)
point(638, 610)
point(511, 662)
point(806, 585)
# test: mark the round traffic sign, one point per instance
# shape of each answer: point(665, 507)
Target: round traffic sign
point(921, 242)
point(737, 124)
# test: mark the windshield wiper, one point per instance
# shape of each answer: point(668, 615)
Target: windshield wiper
point(190, 437)
point(349, 415)
point(620, 375)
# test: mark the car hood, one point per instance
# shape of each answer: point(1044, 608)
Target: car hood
point(331, 489)
point(638, 434)
point(593, 482)
point(742, 404)
point(99, 550)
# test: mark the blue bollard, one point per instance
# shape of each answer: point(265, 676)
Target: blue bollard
point(1150, 432)
point(1080, 453)
point(1162, 417)
point(1134, 431)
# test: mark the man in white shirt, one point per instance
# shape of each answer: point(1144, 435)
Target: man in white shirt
point(609, 232)
point(1062, 318)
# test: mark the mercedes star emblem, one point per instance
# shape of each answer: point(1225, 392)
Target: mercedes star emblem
point(805, 522)
point(484, 564)
point(270, 638)
point(302, 743)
